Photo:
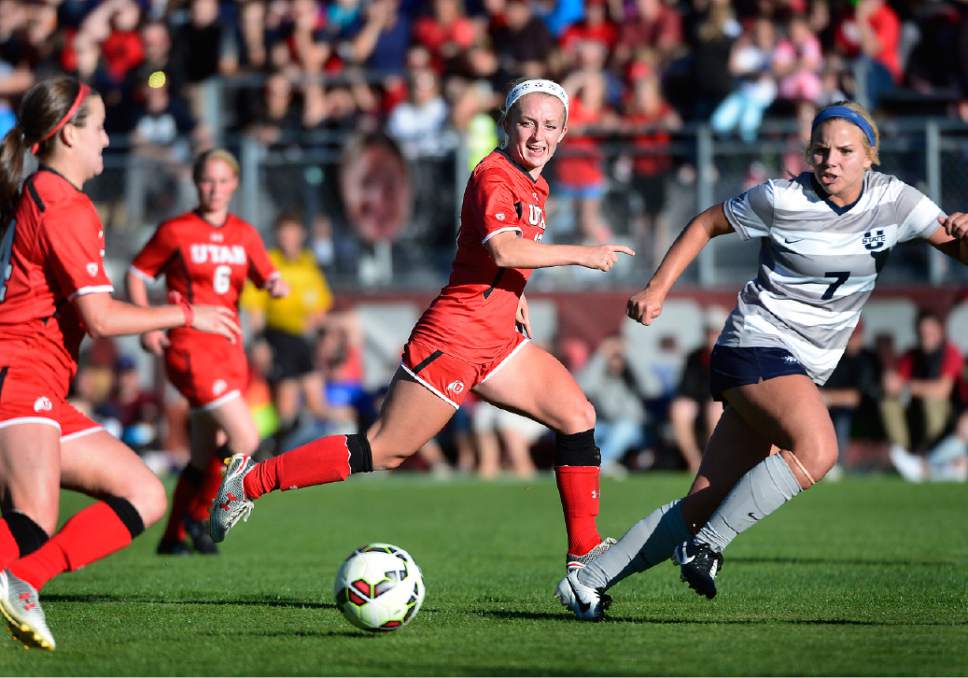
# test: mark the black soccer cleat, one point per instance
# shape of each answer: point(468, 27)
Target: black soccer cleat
point(202, 541)
point(698, 566)
point(172, 548)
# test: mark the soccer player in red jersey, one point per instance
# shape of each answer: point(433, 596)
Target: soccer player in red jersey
point(205, 255)
point(474, 336)
point(53, 290)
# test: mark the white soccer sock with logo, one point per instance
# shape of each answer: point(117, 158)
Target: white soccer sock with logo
point(649, 542)
point(764, 489)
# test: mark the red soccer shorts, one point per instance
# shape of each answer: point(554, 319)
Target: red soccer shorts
point(449, 377)
point(25, 398)
point(207, 373)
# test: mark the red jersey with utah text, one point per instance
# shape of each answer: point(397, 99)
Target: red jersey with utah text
point(205, 263)
point(473, 316)
point(57, 255)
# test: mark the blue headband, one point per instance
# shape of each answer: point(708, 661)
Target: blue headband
point(848, 114)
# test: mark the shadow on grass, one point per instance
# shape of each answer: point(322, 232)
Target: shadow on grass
point(778, 560)
point(559, 616)
point(256, 602)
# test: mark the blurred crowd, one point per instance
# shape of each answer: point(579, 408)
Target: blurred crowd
point(305, 74)
point(900, 407)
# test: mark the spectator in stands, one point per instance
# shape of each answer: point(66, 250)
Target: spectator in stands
point(163, 135)
point(751, 62)
point(419, 125)
point(580, 170)
point(613, 388)
point(871, 33)
point(693, 413)
point(925, 374)
point(652, 24)
point(595, 27)
point(138, 410)
point(495, 429)
point(649, 120)
point(382, 41)
point(946, 461)
point(852, 394)
point(798, 63)
point(712, 44)
point(523, 42)
point(289, 323)
point(447, 32)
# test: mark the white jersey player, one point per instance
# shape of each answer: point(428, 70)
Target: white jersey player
point(824, 237)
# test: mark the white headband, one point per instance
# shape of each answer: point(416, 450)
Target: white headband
point(530, 86)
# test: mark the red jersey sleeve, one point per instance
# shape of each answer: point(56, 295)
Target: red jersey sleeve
point(497, 207)
point(952, 362)
point(75, 247)
point(260, 266)
point(151, 260)
point(905, 366)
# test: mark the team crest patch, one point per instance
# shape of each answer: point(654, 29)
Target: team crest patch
point(456, 387)
point(875, 239)
point(91, 269)
point(500, 216)
point(43, 404)
point(218, 388)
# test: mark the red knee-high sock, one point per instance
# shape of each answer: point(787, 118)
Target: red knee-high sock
point(187, 487)
point(326, 460)
point(19, 536)
point(579, 490)
point(201, 504)
point(92, 533)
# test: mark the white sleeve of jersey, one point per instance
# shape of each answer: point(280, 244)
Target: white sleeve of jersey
point(751, 213)
point(917, 214)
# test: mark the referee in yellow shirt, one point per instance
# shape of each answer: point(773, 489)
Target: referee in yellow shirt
point(289, 324)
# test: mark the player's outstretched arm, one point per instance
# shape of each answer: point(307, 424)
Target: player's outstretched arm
point(509, 250)
point(105, 316)
point(951, 238)
point(646, 304)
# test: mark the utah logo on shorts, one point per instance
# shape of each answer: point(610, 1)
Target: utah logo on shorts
point(92, 269)
point(456, 387)
point(219, 387)
point(43, 404)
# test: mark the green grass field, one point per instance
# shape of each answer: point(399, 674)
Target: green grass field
point(865, 577)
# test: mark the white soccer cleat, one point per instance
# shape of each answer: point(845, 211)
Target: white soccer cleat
point(574, 563)
point(230, 504)
point(20, 606)
point(588, 604)
point(908, 465)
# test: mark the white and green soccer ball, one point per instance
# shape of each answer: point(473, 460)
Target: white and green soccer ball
point(379, 587)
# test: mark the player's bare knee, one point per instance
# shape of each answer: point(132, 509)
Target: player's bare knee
point(149, 499)
point(246, 442)
point(581, 417)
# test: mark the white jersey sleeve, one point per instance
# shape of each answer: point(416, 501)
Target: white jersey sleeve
point(751, 213)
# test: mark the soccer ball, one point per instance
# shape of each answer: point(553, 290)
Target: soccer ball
point(379, 587)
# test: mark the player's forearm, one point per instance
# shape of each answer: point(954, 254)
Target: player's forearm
point(137, 290)
point(687, 246)
point(524, 253)
point(108, 317)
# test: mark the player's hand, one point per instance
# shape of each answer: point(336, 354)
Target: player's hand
point(955, 224)
point(277, 287)
point(217, 320)
point(645, 305)
point(523, 317)
point(603, 257)
point(155, 342)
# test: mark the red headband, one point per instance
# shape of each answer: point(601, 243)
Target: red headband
point(78, 100)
